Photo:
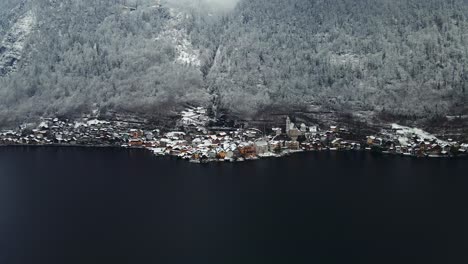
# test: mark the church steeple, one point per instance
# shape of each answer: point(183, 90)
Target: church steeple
point(288, 125)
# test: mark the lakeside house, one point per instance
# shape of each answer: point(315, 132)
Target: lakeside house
point(227, 144)
point(261, 147)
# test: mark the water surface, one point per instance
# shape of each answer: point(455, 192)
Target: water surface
point(73, 205)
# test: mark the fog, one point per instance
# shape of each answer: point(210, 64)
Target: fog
point(221, 5)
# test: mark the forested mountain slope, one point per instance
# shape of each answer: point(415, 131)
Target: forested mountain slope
point(87, 54)
point(402, 57)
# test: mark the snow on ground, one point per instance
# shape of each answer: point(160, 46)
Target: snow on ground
point(186, 53)
point(80, 124)
point(23, 28)
point(197, 117)
point(156, 4)
point(94, 122)
point(44, 125)
point(15, 41)
point(406, 133)
point(344, 59)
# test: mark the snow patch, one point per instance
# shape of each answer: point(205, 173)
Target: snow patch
point(344, 59)
point(406, 133)
point(11, 47)
point(95, 122)
point(197, 117)
point(79, 124)
point(175, 33)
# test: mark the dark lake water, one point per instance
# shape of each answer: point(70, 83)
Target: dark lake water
point(72, 205)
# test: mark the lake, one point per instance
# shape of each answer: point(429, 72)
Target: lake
point(98, 205)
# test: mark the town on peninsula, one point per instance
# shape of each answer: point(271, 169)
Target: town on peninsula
point(195, 139)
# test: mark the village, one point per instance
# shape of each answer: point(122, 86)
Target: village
point(195, 141)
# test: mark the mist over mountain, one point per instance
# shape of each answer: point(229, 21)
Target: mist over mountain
point(211, 5)
point(405, 58)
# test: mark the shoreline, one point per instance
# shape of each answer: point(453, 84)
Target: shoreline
point(276, 156)
point(196, 137)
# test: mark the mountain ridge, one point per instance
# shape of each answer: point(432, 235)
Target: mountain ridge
point(400, 58)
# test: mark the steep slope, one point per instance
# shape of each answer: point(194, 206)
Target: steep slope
point(10, 10)
point(403, 58)
point(175, 33)
point(12, 45)
point(406, 58)
point(93, 54)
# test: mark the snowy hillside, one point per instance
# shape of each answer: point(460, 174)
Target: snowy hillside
point(176, 34)
point(11, 47)
point(392, 59)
